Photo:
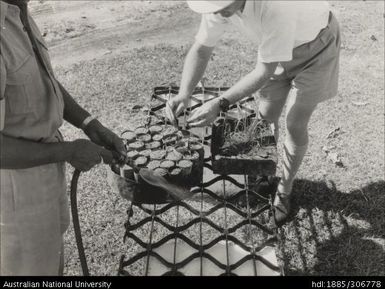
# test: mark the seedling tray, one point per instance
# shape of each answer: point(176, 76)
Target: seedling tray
point(177, 155)
point(255, 158)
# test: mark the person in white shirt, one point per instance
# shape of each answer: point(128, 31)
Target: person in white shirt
point(297, 65)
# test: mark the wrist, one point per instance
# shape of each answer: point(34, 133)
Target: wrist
point(93, 127)
point(223, 104)
point(87, 121)
point(67, 150)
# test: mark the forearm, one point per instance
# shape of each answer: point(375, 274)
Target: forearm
point(73, 112)
point(251, 82)
point(194, 68)
point(21, 154)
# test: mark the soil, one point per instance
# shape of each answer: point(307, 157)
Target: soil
point(86, 30)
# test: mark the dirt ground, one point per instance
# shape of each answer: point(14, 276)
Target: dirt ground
point(85, 30)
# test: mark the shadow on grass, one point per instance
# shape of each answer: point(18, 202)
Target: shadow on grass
point(334, 233)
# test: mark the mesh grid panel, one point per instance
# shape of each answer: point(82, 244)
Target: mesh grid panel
point(212, 233)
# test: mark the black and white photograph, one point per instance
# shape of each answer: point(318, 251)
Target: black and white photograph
point(192, 138)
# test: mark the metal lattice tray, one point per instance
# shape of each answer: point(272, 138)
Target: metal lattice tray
point(210, 233)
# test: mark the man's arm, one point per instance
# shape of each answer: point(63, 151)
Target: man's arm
point(249, 84)
point(99, 134)
point(17, 153)
point(194, 68)
point(212, 27)
point(73, 112)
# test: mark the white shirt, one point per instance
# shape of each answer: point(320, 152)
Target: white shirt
point(277, 27)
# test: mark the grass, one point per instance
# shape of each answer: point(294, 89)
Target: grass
point(338, 227)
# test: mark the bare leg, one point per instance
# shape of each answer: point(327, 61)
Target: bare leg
point(271, 111)
point(295, 147)
point(296, 141)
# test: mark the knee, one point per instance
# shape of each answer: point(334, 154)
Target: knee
point(269, 118)
point(297, 120)
point(295, 126)
point(269, 114)
point(297, 132)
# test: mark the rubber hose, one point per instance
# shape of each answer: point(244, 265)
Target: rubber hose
point(75, 220)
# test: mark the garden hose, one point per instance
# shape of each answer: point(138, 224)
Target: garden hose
point(75, 220)
point(75, 215)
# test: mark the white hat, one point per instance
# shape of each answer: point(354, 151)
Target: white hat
point(208, 6)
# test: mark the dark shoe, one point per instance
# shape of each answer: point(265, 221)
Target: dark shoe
point(281, 208)
point(176, 191)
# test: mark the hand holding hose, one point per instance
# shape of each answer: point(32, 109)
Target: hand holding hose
point(85, 154)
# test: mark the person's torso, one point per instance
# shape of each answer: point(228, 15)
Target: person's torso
point(310, 17)
point(34, 103)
